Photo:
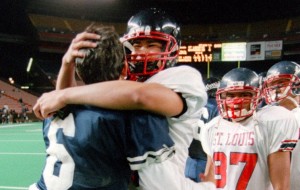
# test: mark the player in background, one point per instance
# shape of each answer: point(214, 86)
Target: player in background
point(92, 148)
point(250, 150)
point(262, 79)
point(282, 87)
point(196, 161)
point(211, 109)
point(152, 45)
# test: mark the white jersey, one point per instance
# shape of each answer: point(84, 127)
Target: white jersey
point(295, 165)
point(188, 82)
point(240, 150)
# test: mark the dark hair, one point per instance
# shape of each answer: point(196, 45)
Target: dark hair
point(104, 62)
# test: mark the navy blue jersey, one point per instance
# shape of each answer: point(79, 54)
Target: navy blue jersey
point(92, 147)
point(212, 110)
point(209, 112)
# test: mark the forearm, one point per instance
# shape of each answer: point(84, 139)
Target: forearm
point(105, 94)
point(279, 173)
point(66, 76)
point(126, 95)
point(209, 175)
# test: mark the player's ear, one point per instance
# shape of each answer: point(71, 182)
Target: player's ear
point(124, 72)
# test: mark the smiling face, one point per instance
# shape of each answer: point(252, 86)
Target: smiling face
point(146, 55)
point(151, 43)
point(146, 46)
point(238, 94)
point(237, 104)
point(147, 51)
point(238, 100)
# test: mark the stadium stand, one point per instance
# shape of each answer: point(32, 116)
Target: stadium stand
point(11, 95)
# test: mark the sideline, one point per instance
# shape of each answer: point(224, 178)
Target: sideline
point(8, 187)
point(17, 125)
point(21, 140)
point(25, 153)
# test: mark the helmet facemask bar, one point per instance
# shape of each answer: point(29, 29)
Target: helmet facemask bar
point(236, 108)
point(278, 87)
point(144, 65)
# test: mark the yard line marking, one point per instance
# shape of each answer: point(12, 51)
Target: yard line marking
point(34, 130)
point(9, 187)
point(5, 134)
point(21, 140)
point(24, 153)
point(15, 125)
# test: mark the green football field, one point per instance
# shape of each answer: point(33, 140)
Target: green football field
point(22, 155)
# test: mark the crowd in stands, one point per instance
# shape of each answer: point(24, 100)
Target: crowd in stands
point(15, 104)
point(12, 116)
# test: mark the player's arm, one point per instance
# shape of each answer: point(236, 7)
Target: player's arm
point(66, 75)
point(279, 170)
point(121, 95)
point(209, 175)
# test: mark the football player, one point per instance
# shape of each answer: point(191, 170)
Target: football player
point(151, 44)
point(89, 147)
point(196, 161)
point(250, 150)
point(282, 87)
